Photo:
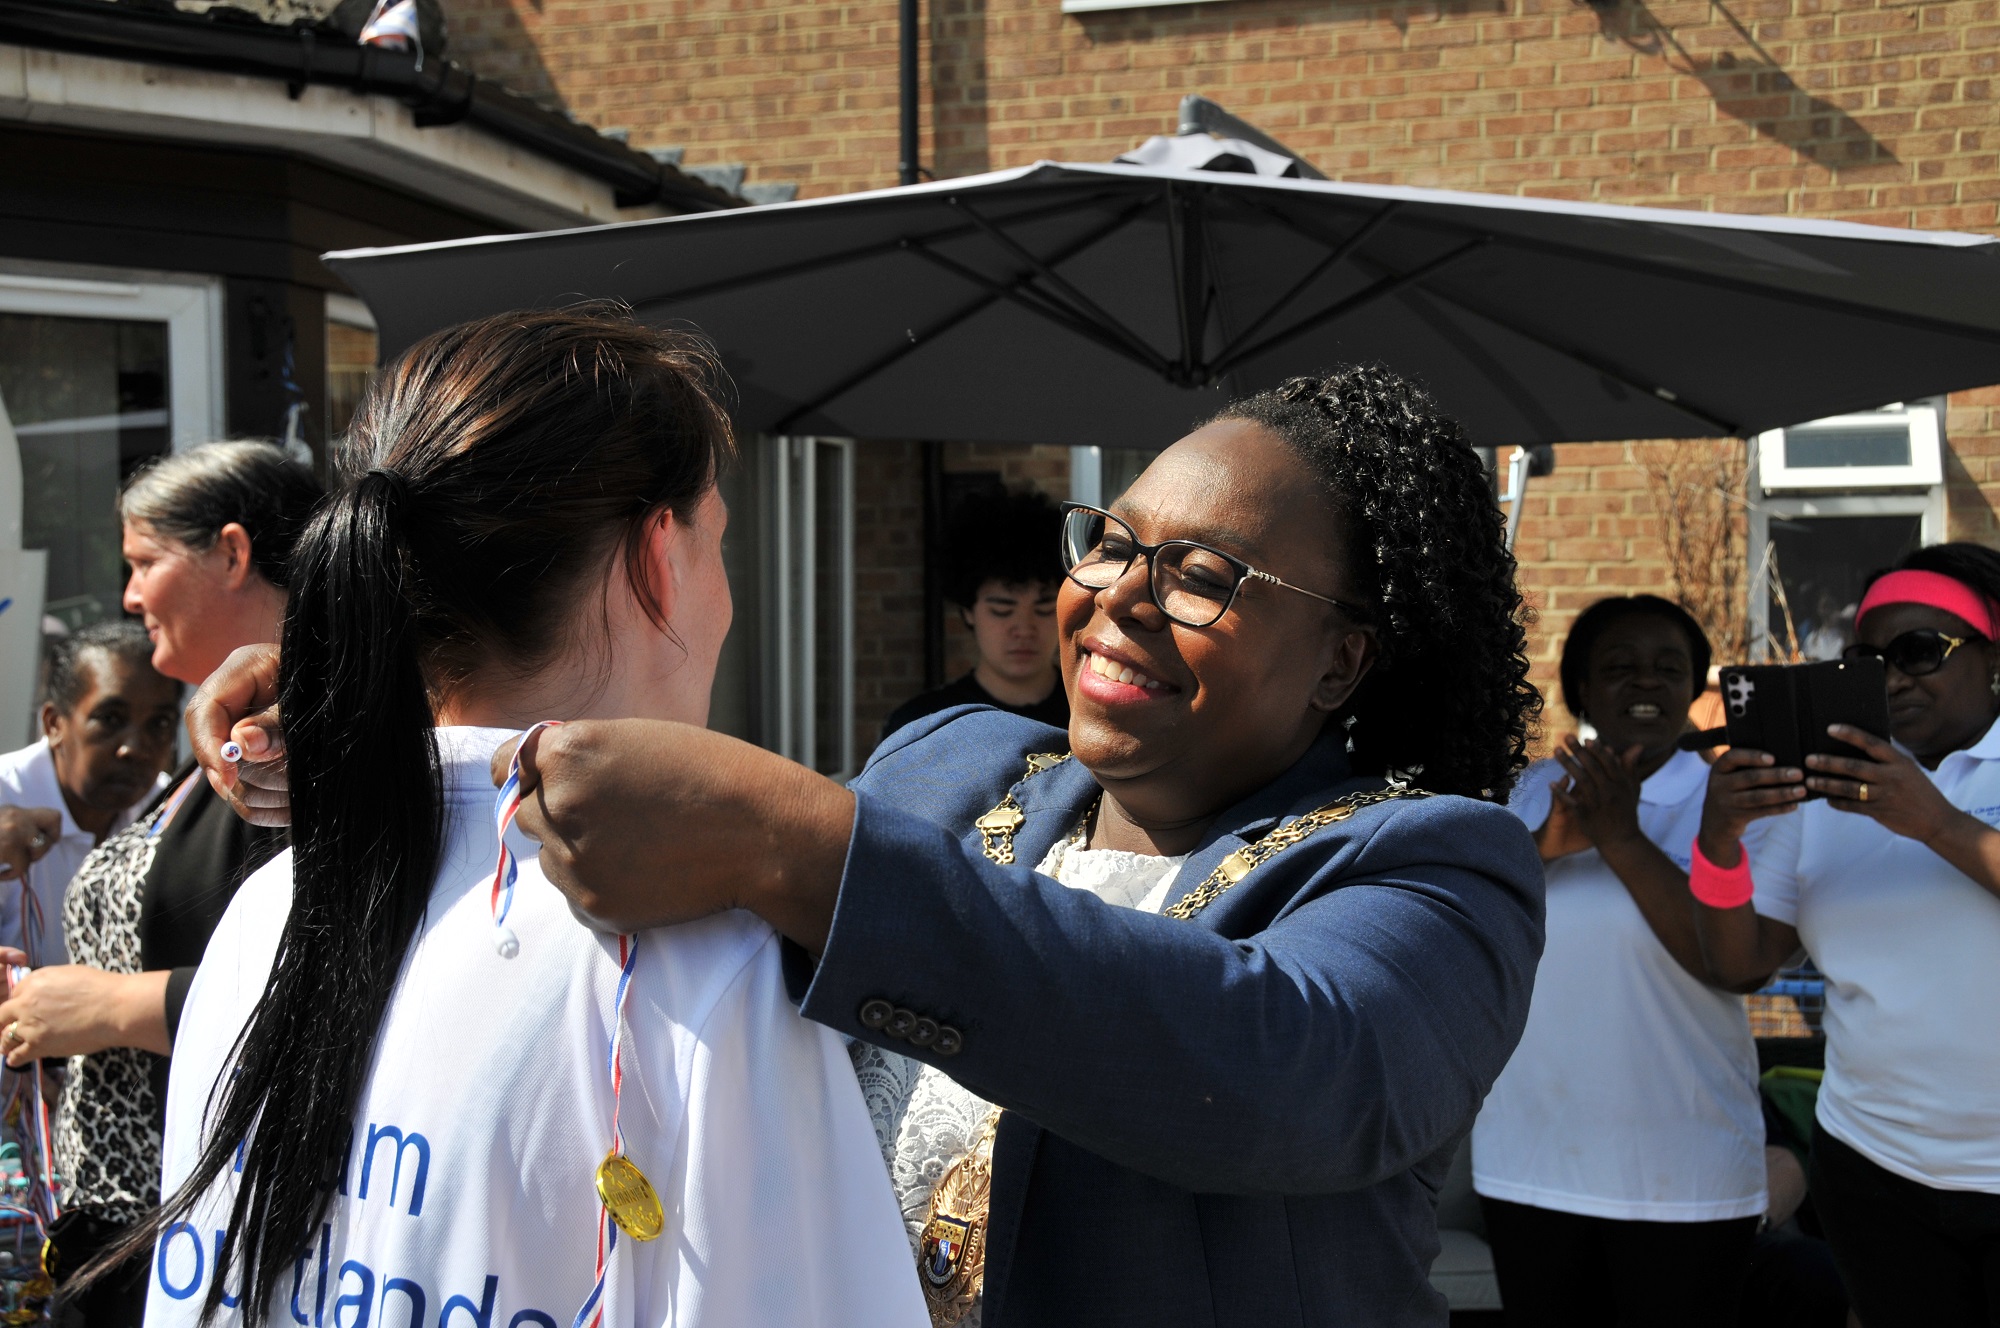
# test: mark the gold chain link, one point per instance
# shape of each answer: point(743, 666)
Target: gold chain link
point(1238, 864)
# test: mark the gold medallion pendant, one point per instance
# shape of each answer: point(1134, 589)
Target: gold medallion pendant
point(629, 1197)
point(951, 1257)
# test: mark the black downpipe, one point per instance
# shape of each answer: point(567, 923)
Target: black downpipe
point(907, 168)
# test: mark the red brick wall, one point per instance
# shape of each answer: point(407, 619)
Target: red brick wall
point(1872, 110)
point(1880, 110)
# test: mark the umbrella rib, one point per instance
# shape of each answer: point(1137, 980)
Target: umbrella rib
point(1832, 303)
point(1592, 362)
point(1597, 364)
point(1081, 306)
point(943, 325)
point(1386, 286)
point(1040, 306)
point(872, 250)
point(1339, 254)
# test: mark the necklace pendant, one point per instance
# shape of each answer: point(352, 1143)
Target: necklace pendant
point(996, 831)
point(629, 1197)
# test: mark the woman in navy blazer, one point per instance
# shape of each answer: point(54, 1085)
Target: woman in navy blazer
point(1294, 655)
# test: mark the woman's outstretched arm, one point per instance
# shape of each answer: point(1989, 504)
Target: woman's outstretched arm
point(1352, 1037)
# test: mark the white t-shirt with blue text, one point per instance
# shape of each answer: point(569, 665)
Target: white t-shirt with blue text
point(468, 1197)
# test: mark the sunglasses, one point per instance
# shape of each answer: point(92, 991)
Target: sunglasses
point(1914, 654)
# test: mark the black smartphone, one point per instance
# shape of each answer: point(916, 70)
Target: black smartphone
point(1784, 709)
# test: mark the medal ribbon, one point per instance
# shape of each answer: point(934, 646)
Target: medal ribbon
point(505, 807)
point(591, 1315)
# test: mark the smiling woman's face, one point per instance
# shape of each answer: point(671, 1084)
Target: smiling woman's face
point(1223, 709)
point(1638, 683)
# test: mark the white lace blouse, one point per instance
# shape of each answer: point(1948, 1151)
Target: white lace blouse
point(923, 1121)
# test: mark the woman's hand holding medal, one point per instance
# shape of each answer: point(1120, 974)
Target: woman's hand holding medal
point(644, 823)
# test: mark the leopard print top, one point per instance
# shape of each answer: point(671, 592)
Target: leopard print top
point(107, 1140)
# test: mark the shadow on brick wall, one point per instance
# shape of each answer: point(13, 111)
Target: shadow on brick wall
point(491, 38)
point(1748, 85)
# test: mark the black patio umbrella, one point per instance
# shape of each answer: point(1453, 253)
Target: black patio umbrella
point(1115, 304)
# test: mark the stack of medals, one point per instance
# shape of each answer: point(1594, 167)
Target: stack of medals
point(627, 1200)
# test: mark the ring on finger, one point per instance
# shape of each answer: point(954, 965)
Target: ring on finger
point(11, 1035)
point(1861, 793)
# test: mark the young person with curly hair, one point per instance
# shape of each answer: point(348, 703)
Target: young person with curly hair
point(1233, 960)
point(1001, 574)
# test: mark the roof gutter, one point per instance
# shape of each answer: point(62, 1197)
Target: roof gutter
point(300, 54)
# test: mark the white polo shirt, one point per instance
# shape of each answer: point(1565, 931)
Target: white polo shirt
point(1910, 947)
point(28, 779)
point(1633, 1093)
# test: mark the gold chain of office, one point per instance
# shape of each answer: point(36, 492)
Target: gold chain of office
point(951, 1258)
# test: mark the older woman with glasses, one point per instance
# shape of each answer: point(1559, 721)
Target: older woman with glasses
point(1896, 895)
point(1176, 1018)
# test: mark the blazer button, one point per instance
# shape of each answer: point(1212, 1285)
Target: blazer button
point(900, 1023)
point(876, 1013)
point(949, 1041)
point(925, 1033)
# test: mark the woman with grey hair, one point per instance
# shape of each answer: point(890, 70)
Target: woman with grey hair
point(208, 534)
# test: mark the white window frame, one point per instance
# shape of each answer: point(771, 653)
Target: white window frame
point(1925, 468)
point(189, 304)
point(1927, 502)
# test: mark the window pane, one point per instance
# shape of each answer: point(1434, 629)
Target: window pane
point(1822, 562)
point(88, 397)
point(1825, 445)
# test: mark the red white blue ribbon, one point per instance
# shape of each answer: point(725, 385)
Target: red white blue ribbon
point(505, 806)
point(591, 1315)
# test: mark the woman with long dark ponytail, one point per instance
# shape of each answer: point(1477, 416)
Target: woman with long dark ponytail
point(402, 1085)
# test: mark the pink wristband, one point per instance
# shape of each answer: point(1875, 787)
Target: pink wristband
point(1720, 887)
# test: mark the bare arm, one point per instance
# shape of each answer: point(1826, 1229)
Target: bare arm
point(1741, 946)
point(1903, 800)
point(74, 1010)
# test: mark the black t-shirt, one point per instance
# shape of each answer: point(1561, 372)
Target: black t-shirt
point(204, 854)
point(1051, 709)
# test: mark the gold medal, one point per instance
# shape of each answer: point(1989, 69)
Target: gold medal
point(629, 1197)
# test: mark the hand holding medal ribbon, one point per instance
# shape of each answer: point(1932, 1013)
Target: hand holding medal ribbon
point(627, 1201)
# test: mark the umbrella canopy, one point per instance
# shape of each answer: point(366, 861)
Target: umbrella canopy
point(1115, 304)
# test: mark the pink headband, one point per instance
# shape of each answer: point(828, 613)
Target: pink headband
point(1934, 589)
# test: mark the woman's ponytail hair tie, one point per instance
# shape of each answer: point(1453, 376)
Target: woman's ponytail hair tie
point(395, 487)
point(1720, 887)
point(1934, 590)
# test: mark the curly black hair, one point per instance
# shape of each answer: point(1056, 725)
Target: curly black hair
point(1448, 701)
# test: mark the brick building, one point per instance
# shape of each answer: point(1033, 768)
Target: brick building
point(1869, 110)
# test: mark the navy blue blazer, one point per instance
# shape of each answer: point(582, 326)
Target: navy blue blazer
point(1242, 1119)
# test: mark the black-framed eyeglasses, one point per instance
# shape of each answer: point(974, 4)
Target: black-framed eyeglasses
point(1191, 583)
point(1914, 653)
